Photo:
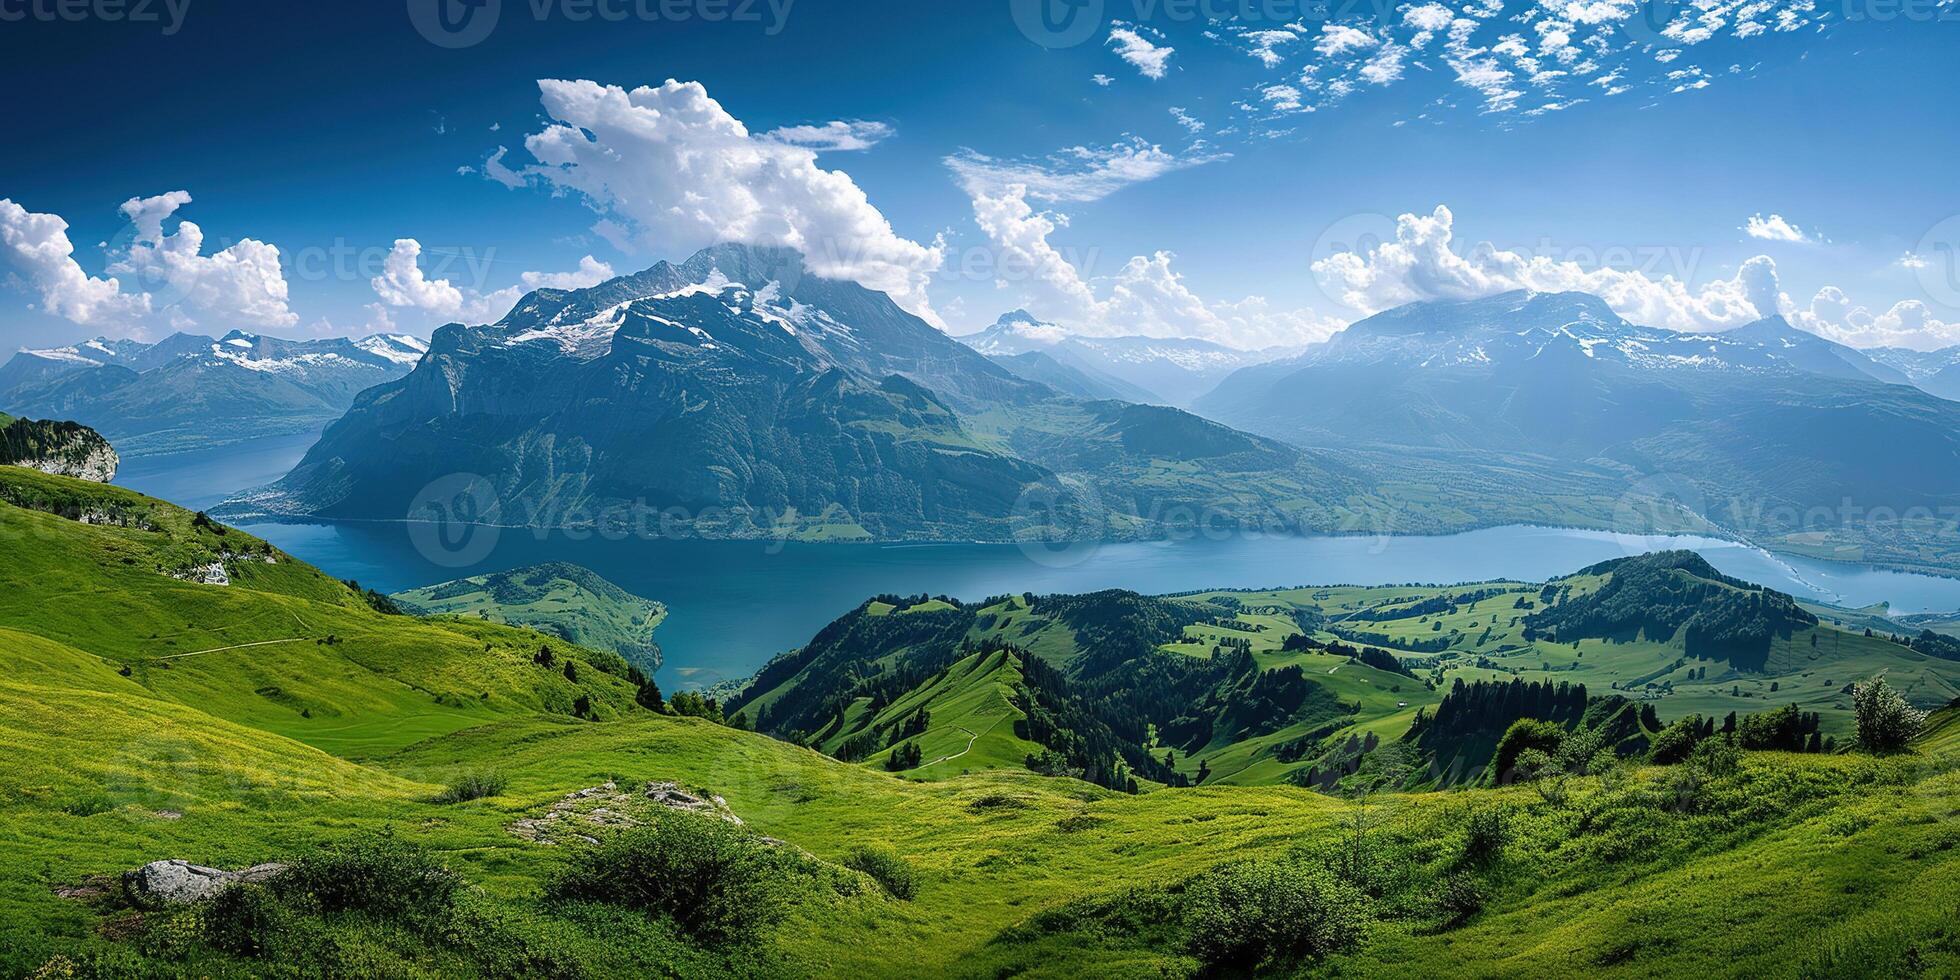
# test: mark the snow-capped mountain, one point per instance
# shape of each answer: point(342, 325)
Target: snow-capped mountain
point(747, 398)
point(1766, 413)
point(190, 390)
point(1165, 371)
point(1936, 372)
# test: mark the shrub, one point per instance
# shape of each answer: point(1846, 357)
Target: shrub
point(473, 786)
point(1675, 741)
point(715, 881)
point(1458, 897)
point(886, 868)
point(1886, 723)
point(1485, 836)
point(1267, 914)
point(1524, 735)
point(376, 875)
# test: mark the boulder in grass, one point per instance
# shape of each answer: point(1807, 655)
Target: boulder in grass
point(162, 883)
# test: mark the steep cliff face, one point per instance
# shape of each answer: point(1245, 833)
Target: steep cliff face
point(62, 448)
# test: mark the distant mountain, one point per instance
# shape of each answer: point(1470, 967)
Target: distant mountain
point(1171, 371)
point(1081, 381)
point(739, 396)
point(1765, 418)
point(188, 391)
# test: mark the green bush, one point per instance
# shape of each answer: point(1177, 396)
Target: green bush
point(376, 875)
point(1485, 836)
point(473, 786)
point(1675, 741)
point(1269, 914)
point(1886, 723)
point(886, 868)
point(714, 880)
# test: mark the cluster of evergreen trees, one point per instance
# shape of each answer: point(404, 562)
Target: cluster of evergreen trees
point(1490, 707)
point(1661, 594)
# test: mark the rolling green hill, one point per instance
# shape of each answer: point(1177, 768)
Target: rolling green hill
point(572, 603)
point(283, 717)
point(1293, 685)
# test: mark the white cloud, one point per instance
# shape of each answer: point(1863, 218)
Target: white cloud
point(241, 285)
point(1385, 67)
point(833, 137)
point(671, 171)
point(1103, 80)
point(1264, 45)
point(1150, 59)
point(403, 284)
point(1077, 174)
point(1422, 263)
point(590, 272)
point(1337, 39)
point(1774, 229)
point(1146, 296)
point(35, 254)
point(1909, 323)
point(1282, 98)
point(1187, 120)
point(1914, 261)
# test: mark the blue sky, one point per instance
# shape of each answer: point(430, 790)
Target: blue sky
point(1596, 145)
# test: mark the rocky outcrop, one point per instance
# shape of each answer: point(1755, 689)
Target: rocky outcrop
point(581, 814)
point(164, 883)
point(61, 448)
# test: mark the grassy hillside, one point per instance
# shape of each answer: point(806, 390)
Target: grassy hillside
point(345, 756)
point(572, 603)
point(1666, 632)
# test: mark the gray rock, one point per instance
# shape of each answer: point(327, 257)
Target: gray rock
point(161, 883)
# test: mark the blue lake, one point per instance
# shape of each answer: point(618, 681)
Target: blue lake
point(732, 605)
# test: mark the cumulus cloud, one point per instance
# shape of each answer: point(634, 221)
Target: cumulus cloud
point(1146, 296)
point(669, 170)
point(36, 255)
point(1423, 263)
point(402, 283)
point(833, 137)
point(1336, 39)
point(242, 284)
point(1151, 59)
point(1774, 229)
point(1265, 45)
point(590, 272)
point(1909, 323)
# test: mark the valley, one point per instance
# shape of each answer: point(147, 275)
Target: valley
point(313, 727)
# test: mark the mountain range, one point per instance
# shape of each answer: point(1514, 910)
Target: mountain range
point(188, 391)
point(1768, 425)
point(1149, 370)
point(1937, 372)
point(735, 396)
